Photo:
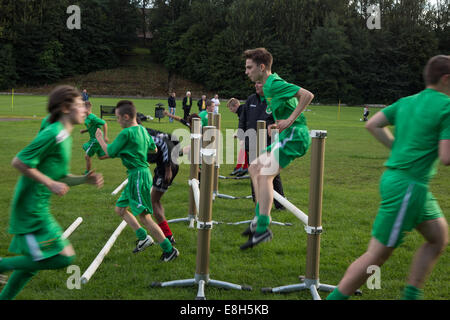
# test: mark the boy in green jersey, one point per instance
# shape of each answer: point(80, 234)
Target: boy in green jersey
point(204, 114)
point(422, 135)
point(286, 102)
point(132, 145)
point(92, 147)
point(44, 165)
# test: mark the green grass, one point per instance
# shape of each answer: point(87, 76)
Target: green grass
point(353, 165)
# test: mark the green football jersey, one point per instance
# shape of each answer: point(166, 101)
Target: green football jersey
point(204, 116)
point(92, 123)
point(420, 121)
point(132, 145)
point(281, 100)
point(45, 123)
point(50, 153)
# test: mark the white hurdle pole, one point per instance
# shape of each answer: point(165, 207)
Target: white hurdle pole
point(98, 260)
point(72, 228)
point(293, 209)
point(119, 188)
point(194, 183)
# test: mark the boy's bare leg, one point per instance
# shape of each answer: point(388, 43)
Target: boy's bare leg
point(152, 227)
point(128, 217)
point(88, 163)
point(356, 274)
point(158, 209)
point(435, 233)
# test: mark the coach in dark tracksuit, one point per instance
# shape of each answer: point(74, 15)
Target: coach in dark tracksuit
point(253, 110)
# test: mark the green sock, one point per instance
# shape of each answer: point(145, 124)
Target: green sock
point(337, 295)
point(412, 293)
point(16, 283)
point(257, 209)
point(141, 234)
point(166, 245)
point(263, 223)
point(26, 263)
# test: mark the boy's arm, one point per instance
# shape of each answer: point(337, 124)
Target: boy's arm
point(444, 152)
point(90, 178)
point(377, 126)
point(83, 130)
point(99, 136)
point(56, 187)
point(105, 131)
point(304, 99)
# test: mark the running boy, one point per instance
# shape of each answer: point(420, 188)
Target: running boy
point(44, 165)
point(92, 147)
point(422, 135)
point(204, 114)
point(132, 145)
point(286, 102)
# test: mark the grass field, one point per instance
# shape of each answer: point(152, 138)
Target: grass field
point(353, 165)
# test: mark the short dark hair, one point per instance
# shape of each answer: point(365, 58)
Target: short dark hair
point(61, 97)
point(209, 102)
point(126, 107)
point(260, 56)
point(435, 68)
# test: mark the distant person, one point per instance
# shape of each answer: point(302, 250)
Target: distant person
point(216, 103)
point(84, 95)
point(187, 105)
point(422, 136)
point(92, 147)
point(366, 113)
point(204, 114)
point(201, 104)
point(172, 105)
point(242, 161)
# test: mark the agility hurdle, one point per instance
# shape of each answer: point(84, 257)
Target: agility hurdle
point(214, 119)
point(72, 228)
point(313, 222)
point(120, 187)
point(193, 175)
point(204, 226)
point(99, 259)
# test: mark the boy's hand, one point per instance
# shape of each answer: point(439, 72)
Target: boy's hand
point(95, 179)
point(59, 188)
point(271, 127)
point(106, 139)
point(283, 124)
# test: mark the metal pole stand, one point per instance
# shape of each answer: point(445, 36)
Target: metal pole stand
point(314, 225)
point(204, 226)
point(195, 162)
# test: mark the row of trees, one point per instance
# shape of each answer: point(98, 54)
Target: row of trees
point(323, 45)
point(36, 45)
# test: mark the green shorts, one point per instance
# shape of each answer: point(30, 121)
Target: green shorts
point(405, 203)
point(136, 194)
point(92, 147)
point(41, 244)
point(291, 144)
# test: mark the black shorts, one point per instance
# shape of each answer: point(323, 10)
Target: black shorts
point(159, 181)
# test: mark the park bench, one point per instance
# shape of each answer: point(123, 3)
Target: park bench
point(106, 111)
